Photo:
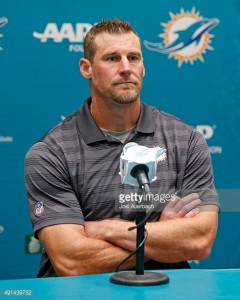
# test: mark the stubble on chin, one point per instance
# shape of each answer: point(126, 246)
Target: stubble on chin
point(125, 98)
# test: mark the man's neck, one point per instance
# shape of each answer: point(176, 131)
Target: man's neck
point(115, 117)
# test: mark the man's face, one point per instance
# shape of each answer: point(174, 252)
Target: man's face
point(117, 69)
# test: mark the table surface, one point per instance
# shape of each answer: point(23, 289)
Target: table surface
point(183, 284)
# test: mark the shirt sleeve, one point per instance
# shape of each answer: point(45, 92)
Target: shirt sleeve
point(51, 198)
point(198, 174)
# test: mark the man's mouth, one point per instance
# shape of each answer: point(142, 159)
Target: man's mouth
point(124, 82)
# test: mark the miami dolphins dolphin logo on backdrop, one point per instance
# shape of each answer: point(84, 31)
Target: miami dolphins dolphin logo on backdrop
point(3, 21)
point(186, 37)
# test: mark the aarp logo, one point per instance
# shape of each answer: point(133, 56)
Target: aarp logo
point(73, 33)
point(208, 132)
point(186, 37)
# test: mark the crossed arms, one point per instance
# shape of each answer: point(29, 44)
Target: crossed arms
point(184, 231)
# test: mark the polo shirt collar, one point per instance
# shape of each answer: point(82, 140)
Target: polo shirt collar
point(145, 122)
point(91, 133)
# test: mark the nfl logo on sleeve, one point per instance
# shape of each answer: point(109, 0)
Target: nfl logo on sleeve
point(39, 208)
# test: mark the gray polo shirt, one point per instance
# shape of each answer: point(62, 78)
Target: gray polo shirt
point(72, 173)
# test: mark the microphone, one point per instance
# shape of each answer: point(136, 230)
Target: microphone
point(138, 164)
point(138, 167)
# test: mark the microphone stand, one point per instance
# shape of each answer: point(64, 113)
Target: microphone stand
point(140, 278)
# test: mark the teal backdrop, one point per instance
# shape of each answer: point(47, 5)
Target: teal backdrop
point(40, 46)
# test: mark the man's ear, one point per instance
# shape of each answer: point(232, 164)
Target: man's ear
point(85, 68)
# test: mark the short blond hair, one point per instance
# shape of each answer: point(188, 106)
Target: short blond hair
point(112, 26)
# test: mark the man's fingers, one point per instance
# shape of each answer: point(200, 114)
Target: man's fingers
point(189, 202)
point(173, 202)
point(192, 213)
point(187, 206)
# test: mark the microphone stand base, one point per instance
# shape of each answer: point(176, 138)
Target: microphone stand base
point(131, 278)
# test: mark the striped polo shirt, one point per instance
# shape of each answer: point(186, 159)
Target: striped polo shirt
point(72, 173)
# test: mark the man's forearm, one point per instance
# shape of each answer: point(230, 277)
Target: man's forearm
point(168, 241)
point(98, 256)
point(72, 253)
point(182, 239)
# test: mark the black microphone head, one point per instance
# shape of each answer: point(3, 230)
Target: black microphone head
point(140, 172)
point(135, 170)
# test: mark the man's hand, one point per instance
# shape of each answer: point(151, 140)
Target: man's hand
point(185, 207)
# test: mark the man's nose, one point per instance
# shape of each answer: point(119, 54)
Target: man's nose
point(125, 66)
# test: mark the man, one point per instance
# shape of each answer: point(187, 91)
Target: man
point(72, 173)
